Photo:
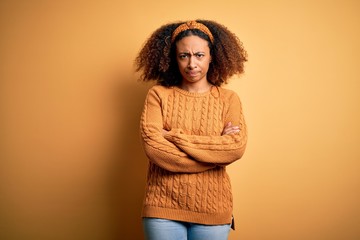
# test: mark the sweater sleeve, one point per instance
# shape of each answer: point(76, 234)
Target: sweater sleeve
point(219, 150)
point(159, 150)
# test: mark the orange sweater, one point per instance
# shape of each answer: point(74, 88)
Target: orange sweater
point(187, 179)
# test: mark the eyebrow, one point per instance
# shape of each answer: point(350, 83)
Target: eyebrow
point(190, 53)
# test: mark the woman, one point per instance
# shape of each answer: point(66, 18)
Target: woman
point(191, 129)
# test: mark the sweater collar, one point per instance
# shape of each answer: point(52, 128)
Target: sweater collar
point(214, 91)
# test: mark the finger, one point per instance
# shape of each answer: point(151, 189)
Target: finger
point(232, 130)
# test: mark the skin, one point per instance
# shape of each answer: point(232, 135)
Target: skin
point(193, 58)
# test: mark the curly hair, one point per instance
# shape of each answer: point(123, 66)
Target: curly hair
point(157, 58)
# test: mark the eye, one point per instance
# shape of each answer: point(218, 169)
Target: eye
point(183, 56)
point(199, 55)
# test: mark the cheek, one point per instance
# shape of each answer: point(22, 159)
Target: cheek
point(182, 64)
point(206, 65)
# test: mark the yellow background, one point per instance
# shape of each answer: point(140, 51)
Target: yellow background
point(71, 162)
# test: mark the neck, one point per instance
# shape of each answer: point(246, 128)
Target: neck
point(196, 87)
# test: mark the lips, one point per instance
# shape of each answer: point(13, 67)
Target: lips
point(192, 73)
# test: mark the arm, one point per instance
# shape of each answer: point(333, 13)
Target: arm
point(159, 150)
point(219, 150)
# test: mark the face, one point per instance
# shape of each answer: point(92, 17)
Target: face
point(193, 58)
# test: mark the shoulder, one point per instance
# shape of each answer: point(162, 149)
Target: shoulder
point(159, 89)
point(228, 94)
point(158, 92)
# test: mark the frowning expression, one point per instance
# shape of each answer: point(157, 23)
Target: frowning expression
point(193, 58)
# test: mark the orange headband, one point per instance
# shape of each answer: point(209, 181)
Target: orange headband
point(192, 25)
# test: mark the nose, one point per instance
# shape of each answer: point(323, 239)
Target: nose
point(192, 63)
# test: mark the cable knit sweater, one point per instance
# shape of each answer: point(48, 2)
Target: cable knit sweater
point(187, 179)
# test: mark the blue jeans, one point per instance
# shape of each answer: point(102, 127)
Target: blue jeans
point(163, 229)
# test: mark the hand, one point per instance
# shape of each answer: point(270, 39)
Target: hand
point(230, 129)
point(164, 132)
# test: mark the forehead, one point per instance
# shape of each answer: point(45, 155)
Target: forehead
point(192, 43)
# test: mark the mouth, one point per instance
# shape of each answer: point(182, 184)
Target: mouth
point(192, 73)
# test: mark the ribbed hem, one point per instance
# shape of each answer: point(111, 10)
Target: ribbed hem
point(187, 216)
